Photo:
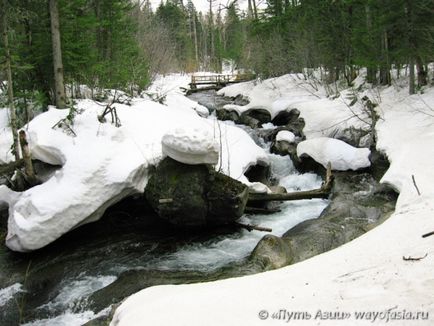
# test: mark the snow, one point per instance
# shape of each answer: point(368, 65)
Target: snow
point(285, 135)
point(191, 145)
point(168, 89)
point(324, 115)
point(368, 274)
point(342, 156)
point(103, 164)
point(5, 137)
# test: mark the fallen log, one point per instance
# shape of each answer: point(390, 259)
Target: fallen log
point(250, 227)
point(322, 192)
point(257, 210)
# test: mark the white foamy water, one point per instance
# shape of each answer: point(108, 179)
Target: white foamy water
point(72, 294)
point(227, 249)
point(8, 293)
point(69, 318)
point(76, 290)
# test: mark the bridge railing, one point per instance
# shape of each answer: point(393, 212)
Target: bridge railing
point(221, 79)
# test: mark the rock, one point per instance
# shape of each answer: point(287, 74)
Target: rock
point(227, 199)
point(358, 203)
point(192, 196)
point(379, 164)
point(191, 146)
point(296, 128)
point(283, 148)
point(249, 121)
point(355, 137)
point(225, 114)
point(258, 173)
point(258, 188)
point(241, 100)
point(278, 189)
point(285, 117)
point(271, 252)
point(341, 155)
point(255, 117)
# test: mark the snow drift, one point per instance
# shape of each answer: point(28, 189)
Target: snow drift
point(103, 164)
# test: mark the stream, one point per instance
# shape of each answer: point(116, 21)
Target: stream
point(78, 277)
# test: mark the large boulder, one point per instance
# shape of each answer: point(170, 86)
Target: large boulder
point(195, 195)
point(227, 114)
point(255, 117)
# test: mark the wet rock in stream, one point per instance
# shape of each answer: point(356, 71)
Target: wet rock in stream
point(195, 195)
point(358, 204)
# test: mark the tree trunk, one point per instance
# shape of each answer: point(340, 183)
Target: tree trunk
point(412, 88)
point(255, 10)
point(13, 117)
point(421, 73)
point(196, 48)
point(28, 166)
point(322, 192)
point(372, 68)
point(59, 86)
point(211, 30)
point(249, 10)
point(385, 78)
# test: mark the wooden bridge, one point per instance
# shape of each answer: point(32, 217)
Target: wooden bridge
point(218, 81)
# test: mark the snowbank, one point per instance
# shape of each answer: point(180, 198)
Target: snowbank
point(342, 156)
point(5, 138)
point(324, 116)
point(168, 90)
point(364, 281)
point(104, 164)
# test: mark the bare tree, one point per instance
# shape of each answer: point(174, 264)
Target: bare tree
point(59, 85)
point(13, 117)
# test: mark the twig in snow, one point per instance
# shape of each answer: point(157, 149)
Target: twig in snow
point(415, 185)
point(409, 258)
point(428, 234)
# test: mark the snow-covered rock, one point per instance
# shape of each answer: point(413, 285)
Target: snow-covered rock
point(259, 188)
point(341, 155)
point(103, 164)
point(191, 145)
point(285, 135)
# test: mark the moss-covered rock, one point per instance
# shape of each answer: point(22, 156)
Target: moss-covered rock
point(195, 195)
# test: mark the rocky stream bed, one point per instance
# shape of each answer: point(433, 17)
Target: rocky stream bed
point(82, 275)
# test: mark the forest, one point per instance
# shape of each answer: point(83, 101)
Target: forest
point(166, 153)
point(125, 44)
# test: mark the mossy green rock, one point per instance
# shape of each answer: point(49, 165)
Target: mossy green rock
point(195, 195)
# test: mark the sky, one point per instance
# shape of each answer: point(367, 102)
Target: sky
point(203, 5)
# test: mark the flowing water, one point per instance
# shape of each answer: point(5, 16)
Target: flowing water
point(78, 277)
